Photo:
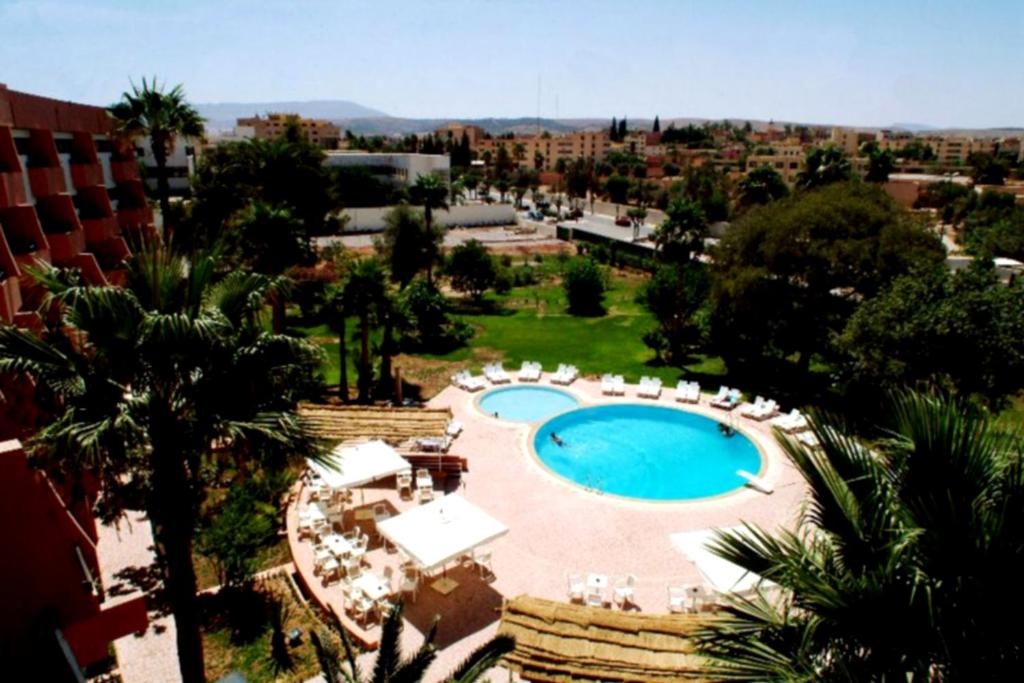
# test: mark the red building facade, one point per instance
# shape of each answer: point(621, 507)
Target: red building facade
point(69, 196)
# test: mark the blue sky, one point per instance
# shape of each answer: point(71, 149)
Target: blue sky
point(869, 63)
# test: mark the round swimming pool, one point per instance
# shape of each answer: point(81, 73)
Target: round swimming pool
point(648, 452)
point(526, 403)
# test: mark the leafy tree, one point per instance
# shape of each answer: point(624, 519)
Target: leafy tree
point(428, 326)
point(987, 169)
point(657, 125)
point(899, 569)
point(471, 181)
point(502, 185)
point(675, 295)
point(671, 169)
point(585, 283)
point(389, 664)
point(760, 186)
point(617, 188)
point(356, 186)
point(234, 536)
point(282, 172)
point(269, 240)
point(823, 166)
point(407, 244)
point(622, 129)
point(162, 117)
point(880, 165)
point(788, 275)
point(471, 268)
point(963, 332)
point(143, 380)
point(637, 215)
point(681, 235)
point(613, 133)
point(917, 150)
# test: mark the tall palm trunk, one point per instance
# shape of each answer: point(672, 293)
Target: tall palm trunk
point(278, 310)
point(163, 187)
point(428, 220)
point(342, 361)
point(173, 520)
point(365, 377)
point(386, 383)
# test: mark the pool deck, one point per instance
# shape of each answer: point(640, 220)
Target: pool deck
point(557, 527)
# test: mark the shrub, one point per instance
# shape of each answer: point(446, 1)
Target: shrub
point(585, 283)
point(427, 325)
point(471, 268)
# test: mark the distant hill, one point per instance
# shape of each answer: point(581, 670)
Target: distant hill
point(222, 115)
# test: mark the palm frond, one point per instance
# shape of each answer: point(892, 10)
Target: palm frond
point(481, 659)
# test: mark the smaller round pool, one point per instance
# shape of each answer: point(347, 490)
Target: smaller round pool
point(525, 403)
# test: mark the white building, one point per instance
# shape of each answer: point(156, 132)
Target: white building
point(181, 164)
point(400, 169)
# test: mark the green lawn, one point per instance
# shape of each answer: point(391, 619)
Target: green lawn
point(531, 323)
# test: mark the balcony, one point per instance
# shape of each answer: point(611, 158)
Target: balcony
point(124, 170)
point(86, 175)
point(101, 229)
point(64, 247)
point(92, 273)
point(12, 189)
point(111, 254)
point(59, 221)
point(46, 180)
point(25, 237)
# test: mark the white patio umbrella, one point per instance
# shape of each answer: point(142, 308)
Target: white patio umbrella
point(350, 466)
point(724, 576)
point(440, 531)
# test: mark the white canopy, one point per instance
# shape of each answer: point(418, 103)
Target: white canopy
point(350, 466)
point(438, 532)
point(723, 575)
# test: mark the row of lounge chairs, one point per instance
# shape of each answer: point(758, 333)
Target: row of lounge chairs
point(465, 380)
point(760, 409)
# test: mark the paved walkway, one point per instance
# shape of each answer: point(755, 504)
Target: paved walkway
point(126, 563)
point(557, 528)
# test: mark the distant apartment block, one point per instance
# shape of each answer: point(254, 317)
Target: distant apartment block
point(456, 130)
point(585, 144)
point(399, 169)
point(322, 133)
point(68, 194)
point(787, 160)
point(181, 164)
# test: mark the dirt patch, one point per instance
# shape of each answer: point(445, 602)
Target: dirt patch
point(432, 375)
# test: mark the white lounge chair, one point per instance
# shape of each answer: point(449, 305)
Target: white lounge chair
point(752, 409)
point(608, 385)
point(791, 423)
point(566, 374)
point(693, 394)
point(768, 409)
point(619, 385)
point(808, 439)
point(730, 400)
point(649, 387)
point(530, 372)
point(496, 374)
point(687, 392)
point(755, 482)
point(453, 429)
point(464, 380)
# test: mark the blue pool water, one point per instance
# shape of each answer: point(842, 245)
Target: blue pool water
point(524, 403)
point(646, 452)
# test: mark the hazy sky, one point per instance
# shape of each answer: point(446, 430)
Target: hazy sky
point(868, 62)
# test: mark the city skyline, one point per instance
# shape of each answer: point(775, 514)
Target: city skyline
point(941, 64)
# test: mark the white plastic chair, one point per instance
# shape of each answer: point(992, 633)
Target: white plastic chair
point(410, 582)
point(483, 563)
point(623, 593)
point(678, 597)
point(576, 587)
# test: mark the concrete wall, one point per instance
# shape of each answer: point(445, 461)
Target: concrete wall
point(470, 215)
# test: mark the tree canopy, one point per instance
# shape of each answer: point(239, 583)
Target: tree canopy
point(471, 268)
point(407, 245)
point(788, 275)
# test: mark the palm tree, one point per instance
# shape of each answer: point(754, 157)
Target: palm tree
point(430, 192)
point(144, 379)
point(390, 666)
point(162, 117)
point(364, 291)
point(901, 567)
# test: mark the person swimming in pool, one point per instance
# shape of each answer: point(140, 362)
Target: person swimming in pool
point(558, 440)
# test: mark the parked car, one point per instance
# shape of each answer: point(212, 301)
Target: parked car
point(623, 221)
